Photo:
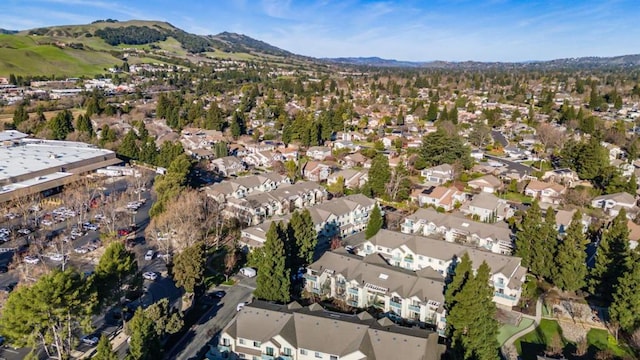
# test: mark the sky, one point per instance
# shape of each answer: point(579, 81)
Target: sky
point(412, 30)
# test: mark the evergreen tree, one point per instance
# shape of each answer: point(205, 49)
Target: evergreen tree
point(83, 124)
point(144, 343)
point(189, 266)
point(625, 308)
point(115, 268)
point(613, 258)
point(529, 233)
point(571, 262)
point(20, 115)
point(462, 273)
point(543, 247)
point(379, 174)
point(129, 146)
point(471, 320)
point(61, 125)
point(432, 111)
point(305, 237)
point(104, 350)
point(453, 115)
point(375, 222)
point(220, 149)
point(440, 147)
point(274, 278)
point(148, 151)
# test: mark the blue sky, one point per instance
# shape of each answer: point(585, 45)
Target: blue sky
point(452, 30)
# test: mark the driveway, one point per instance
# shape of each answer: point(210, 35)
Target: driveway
point(499, 137)
point(194, 343)
point(512, 165)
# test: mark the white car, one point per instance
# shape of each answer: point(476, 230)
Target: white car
point(46, 222)
point(24, 231)
point(81, 250)
point(90, 226)
point(31, 259)
point(241, 306)
point(56, 257)
point(91, 340)
point(149, 255)
point(150, 275)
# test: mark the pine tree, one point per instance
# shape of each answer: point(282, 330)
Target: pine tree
point(379, 174)
point(375, 222)
point(104, 350)
point(20, 115)
point(189, 266)
point(144, 343)
point(305, 237)
point(543, 247)
point(571, 262)
point(471, 320)
point(613, 258)
point(529, 233)
point(432, 111)
point(462, 273)
point(129, 146)
point(625, 308)
point(83, 124)
point(273, 281)
point(61, 125)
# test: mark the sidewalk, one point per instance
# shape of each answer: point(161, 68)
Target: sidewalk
point(508, 348)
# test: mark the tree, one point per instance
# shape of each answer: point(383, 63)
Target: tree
point(104, 350)
point(115, 268)
point(83, 124)
point(49, 313)
point(20, 115)
point(440, 147)
point(189, 266)
point(375, 222)
point(613, 258)
point(462, 273)
point(220, 149)
point(543, 247)
point(379, 174)
point(471, 320)
point(291, 169)
point(168, 186)
point(305, 236)
point(625, 308)
point(399, 186)
point(61, 125)
point(129, 146)
point(274, 278)
point(571, 262)
point(144, 342)
point(480, 134)
point(529, 233)
point(165, 320)
point(432, 111)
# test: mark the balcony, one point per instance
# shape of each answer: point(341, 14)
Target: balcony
point(395, 304)
point(268, 357)
point(353, 291)
point(498, 285)
point(414, 308)
point(224, 348)
point(285, 357)
point(505, 296)
point(353, 303)
point(408, 259)
point(309, 277)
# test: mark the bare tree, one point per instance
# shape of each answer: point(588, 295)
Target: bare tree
point(549, 136)
point(230, 261)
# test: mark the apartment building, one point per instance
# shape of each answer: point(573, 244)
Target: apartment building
point(414, 252)
point(417, 296)
point(268, 331)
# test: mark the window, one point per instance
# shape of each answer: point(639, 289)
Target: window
point(242, 356)
point(269, 351)
point(318, 355)
point(225, 342)
point(286, 351)
point(420, 257)
point(303, 352)
point(241, 341)
point(333, 357)
point(256, 344)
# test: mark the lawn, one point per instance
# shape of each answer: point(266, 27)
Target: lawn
point(536, 341)
point(514, 196)
point(506, 331)
point(601, 340)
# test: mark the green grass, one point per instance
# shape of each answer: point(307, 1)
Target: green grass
point(539, 338)
point(601, 339)
point(514, 196)
point(507, 331)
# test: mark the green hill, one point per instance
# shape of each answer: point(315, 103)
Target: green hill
point(76, 50)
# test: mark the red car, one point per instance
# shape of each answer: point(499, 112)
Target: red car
point(124, 232)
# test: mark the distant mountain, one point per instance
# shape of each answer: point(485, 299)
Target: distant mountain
point(233, 42)
point(9, 32)
point(582, 62)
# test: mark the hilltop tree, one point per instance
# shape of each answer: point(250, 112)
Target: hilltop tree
point(571, 262)
point(379, 175)
point(625, 308)
point(613, 258)
point(471, 320)
point(189, 266)
point(375, 223)
point(274, 278)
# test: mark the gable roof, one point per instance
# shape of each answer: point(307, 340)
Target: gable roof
point(484, 201)
point(455, 221)
point(486, 179)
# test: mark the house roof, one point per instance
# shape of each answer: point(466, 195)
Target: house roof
point(621, 197)
point(564, 217)
point(455, 221)
point(485, 201)
point(485, 180)
point(536, 185)
point(441, 168)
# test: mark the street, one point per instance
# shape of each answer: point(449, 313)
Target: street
point(194, 343)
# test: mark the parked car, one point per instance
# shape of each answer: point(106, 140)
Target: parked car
point(31, 259)
point(241, 306)
point(124, 232)
point(90, 340)
point(46, 222)
point(149, 255)
point(81, 250)
point(24, 231)
point(149, 275)
point(56, 257)
point(248, 272)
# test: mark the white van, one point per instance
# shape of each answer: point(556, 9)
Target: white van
point(248, 272)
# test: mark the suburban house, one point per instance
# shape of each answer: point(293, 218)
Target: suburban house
point(614, 151)
point(353, 179)
point(486, 183)
point(564, 219)
point(345, 144)
point(550, 193)
point(263, 330)
point(634, 234)
point(417, 296)
point(487, 207)
point(227, 166)
point(354, 160)
point(612, 204)
point(438, 174)
point(337, 217)
point(496, 237)
point(319, 152)
point(262, 158)
point(441, 197)
point(565, 177)
point(414, 252)
point(316, 171)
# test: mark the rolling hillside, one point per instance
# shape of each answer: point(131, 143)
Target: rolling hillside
point(75, 50)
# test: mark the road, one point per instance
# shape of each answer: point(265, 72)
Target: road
point(194, 343)
point(512, 165)
point(499, 137)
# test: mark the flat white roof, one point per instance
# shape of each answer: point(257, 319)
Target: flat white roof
point(33, 181)
point(32, 155)
point(8, 135)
